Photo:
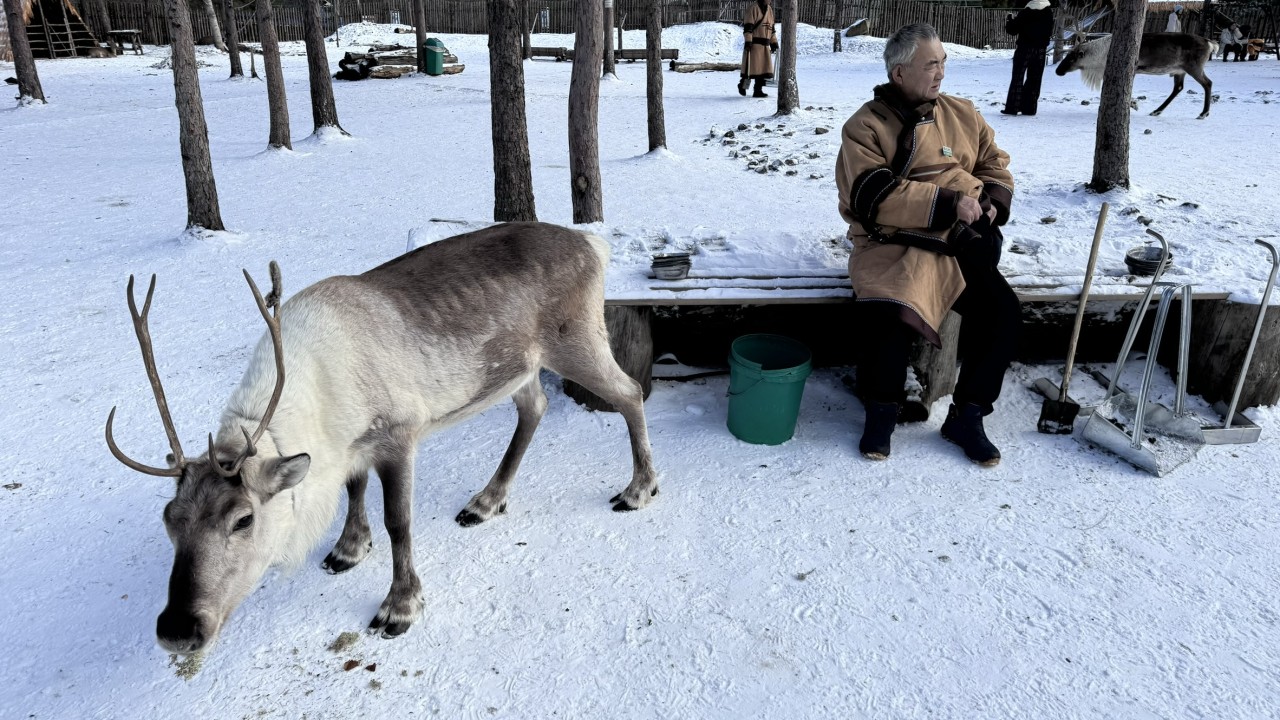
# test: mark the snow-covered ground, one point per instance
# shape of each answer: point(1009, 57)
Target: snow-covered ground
point(790, 581)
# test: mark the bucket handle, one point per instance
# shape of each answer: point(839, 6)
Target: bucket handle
point(730, 393)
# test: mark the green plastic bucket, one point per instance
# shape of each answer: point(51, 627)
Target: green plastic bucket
point(766, 382)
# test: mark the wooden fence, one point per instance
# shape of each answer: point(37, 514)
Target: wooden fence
point(967, 25)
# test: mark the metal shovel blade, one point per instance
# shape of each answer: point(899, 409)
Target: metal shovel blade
point(1167, 440)
point(1057, 417)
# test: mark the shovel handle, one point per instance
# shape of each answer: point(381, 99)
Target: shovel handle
point(1084, 297)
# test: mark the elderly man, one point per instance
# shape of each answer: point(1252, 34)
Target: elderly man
point(924, 188)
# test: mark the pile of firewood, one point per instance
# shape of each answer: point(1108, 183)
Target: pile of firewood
point(392, 61)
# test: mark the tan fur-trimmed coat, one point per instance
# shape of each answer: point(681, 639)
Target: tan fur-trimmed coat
point(759, 43)
point(952, 153)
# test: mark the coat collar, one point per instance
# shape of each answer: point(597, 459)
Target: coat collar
point(909, 113)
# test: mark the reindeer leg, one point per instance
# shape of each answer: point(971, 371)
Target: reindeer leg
point(1207, 85)
point(1177, 88)
point(403, 604)
point(356, 541)
point(530, 402)
point(585, 358)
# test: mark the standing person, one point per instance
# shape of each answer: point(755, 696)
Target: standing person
point(1175, 20)
point(924, 188)
point(1034, 27)
point(759, 42)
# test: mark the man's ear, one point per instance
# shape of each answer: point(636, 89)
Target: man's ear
point(895, 75)
point(280, 474)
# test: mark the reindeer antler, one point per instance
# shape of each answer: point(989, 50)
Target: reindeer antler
point(149, 360)
point(270, 309)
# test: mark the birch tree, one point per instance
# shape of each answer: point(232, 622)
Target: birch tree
point(193, 133)
point(1111, 146)
point(512, 169)
point(277, 103)
point(324, 110)
point(24, 63)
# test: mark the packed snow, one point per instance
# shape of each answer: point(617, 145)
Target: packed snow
point(797, 580)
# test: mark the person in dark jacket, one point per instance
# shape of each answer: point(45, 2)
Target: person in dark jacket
point(1034, 27)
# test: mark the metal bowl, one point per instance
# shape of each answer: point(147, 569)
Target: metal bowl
point(1145, 259)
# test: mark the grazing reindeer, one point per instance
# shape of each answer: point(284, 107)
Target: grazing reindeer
point(1176, 54)
point(352, 373)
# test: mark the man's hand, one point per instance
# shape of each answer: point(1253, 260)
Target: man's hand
point(968, 210)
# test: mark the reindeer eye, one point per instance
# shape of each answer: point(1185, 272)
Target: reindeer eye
point(244, 522)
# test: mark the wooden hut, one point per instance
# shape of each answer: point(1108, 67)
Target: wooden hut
point(55, 29)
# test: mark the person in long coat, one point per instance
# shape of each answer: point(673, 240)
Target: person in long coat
point(924, 188)
point(760, 41)
point(1034, 27)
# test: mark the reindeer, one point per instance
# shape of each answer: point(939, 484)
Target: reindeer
point(1176, 54)
point(351, 374)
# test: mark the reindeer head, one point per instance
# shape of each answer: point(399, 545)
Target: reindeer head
point(222, 519)
point(1090, 58)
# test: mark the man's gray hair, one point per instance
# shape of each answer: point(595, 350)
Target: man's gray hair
point(901, 46)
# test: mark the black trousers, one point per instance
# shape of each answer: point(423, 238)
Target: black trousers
point(1024, 87)
point(991, 321)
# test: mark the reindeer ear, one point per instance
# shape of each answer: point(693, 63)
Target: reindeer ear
point(279, 474)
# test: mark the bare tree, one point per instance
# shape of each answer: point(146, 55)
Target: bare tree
point(653, 84)
point(232, 36)
point(420, 32)
point(788, 88)
point(276, 101)
point(512, 169)
point(610, 67)
point(1111, 147)
point(324, 111)
point(24, 63)
point(216, 31)
point(193, 133)
point(584, 112)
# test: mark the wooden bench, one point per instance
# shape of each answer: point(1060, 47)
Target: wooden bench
point(118, 38)
point(631, 55)
point(1213, 365)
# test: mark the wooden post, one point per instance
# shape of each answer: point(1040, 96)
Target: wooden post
point(609, 60)
point(1220, 334)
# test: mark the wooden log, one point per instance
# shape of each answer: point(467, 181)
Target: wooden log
point(686, 67)
point(400, 57)
point(386, 72)
point(935, 369)
point(454, 69)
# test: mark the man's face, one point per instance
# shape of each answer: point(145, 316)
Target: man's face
point(921, 79)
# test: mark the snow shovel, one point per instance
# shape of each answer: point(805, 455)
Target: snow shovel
point(1239, 429)
point(1058, 417)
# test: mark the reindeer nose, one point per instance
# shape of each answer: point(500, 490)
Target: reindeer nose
point(179, 631)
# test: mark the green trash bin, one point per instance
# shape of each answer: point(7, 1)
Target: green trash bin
point(766, 382)
point(433, 50)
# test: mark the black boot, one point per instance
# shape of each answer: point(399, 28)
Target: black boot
point(963, 427)
point(759, 91)
point(742, 87)
point(878, 428)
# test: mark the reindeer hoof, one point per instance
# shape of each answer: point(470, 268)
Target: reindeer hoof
point(466, 518)
point(339, 562)
point(391, 622)
point(621, 504)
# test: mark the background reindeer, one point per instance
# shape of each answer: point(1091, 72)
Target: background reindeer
point(374, 363)
point(1176, 54)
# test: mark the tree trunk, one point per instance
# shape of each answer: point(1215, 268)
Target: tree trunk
point(420, 32)
point(527, 30)
point(653, 85)
point(276, 100)
point(324, 111)
point(24, 64)
point(609, 60)
point(1111, 148)
point(512, 170)
point(104, 18)
point(214, 28)
point(788, 88)
point(232, 37)
point(193, 134)
point(584, 111)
